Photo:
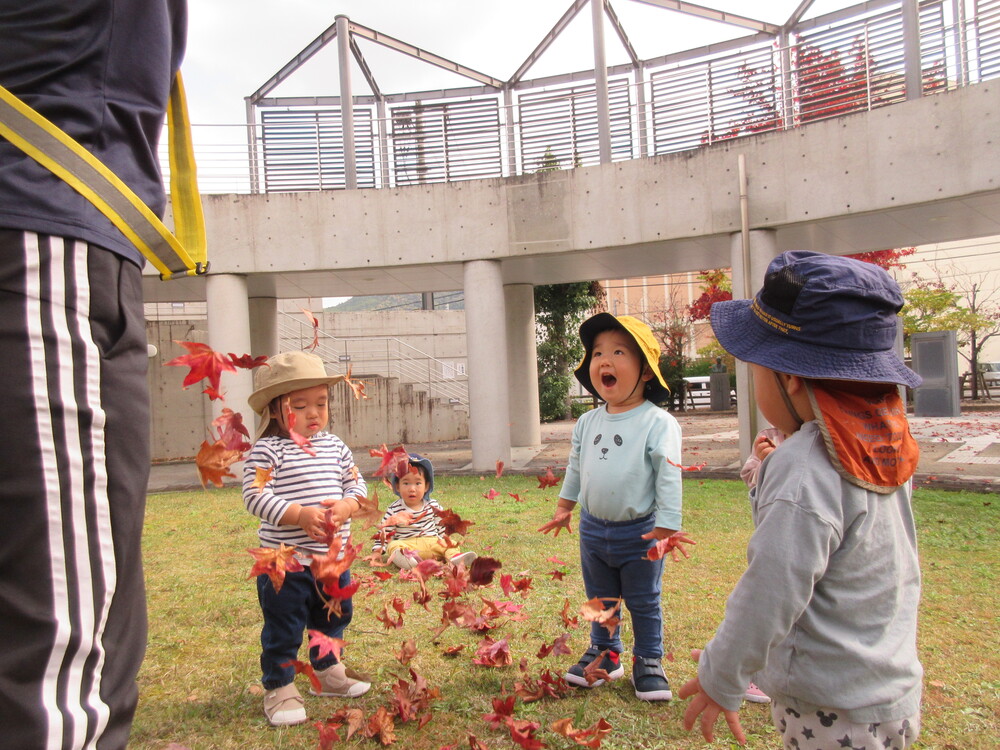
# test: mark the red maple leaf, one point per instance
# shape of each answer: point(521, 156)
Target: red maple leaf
point(381, 727)
point(557, 575)
point(503, 709)
point(517, 497)
point(396, 460)
point(248, 362)
point(569, 622)
point(452, 523)
point(594, 611)
point(696, 467)
point(325, 644)
point(499, 468)
point(407, 650)
point(492, 653)
point(548, 479)
point(523, 731)
point(672, 544)
point(204, 362)
point(214, 395)
point(557, 648)
point(327, 733)
point(232, 432)
point(491, 494)
point(299, 440)
point(482, 570)
point(308, 671)
point(274, 563)
point(315, 325)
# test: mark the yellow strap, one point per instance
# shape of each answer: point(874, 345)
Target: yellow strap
point(47, 144)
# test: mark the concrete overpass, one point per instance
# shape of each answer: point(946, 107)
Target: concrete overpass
point(918, 172)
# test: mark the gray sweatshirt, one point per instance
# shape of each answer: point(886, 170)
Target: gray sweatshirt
point(825, 615)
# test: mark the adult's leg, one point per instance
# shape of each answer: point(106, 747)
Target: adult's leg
point(75, 465)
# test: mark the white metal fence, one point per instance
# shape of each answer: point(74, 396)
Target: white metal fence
point(848, 61)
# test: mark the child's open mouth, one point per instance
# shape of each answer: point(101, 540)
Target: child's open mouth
point(608, 380)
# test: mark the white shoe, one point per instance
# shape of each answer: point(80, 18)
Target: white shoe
point(336, 682)
point(284, 707)
point(404, 561)
point(465, 559)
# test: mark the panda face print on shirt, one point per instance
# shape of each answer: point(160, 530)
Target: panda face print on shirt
point(605, 444)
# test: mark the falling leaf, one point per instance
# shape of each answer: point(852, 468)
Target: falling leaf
point(396, 460)
point(482, 570)
point(594, 611)
point(214, 395)
point(548, 479)
point(555, 560)
point(302, 667)
point(499, 468)
point(357, 386)
point(491, 494)
point(699, 467)
point(557, 648)
point(213, 462)
point(247, 362)
point(672, 544)
point(261, 477)
point(325, 645)
point(232, 432)
point(300, 440)
point(452, 523)
point(315, 326)
point(204, 362)
point(274, 563)
point(569, 622)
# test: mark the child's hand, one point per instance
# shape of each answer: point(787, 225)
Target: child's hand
point(763, 447)
point(340, 510)
point(674, 541)
point(313, 521)
point(703, 705)
point(560, 520)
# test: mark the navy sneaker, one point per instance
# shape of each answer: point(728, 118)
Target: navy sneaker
point(610, 663)
point(649, 681)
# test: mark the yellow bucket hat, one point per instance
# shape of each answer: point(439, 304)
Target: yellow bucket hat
point(284, 373)
point(656, 389)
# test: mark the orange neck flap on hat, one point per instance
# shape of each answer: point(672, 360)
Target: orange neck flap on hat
point(867, 436)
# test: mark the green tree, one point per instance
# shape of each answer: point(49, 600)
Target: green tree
point(967, 309)
point(559, 311)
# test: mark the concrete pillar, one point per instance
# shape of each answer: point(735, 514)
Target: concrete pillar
point(229, 331)
point(486, 341)
point(264, 326)
point(763, 248)
point(522, 365)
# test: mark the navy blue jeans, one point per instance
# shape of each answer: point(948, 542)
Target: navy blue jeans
point(614, 564)
point(286, 615)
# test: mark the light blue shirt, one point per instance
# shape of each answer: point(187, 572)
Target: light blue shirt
point(618, 466)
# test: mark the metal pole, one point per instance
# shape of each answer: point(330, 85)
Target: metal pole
point(785, 55)
point(911, 49)
point(383, 141)
point(601, 82)
point(749, 399)
point(508, 108)
point(252, 146)
point(640, 104)
point(347, 102)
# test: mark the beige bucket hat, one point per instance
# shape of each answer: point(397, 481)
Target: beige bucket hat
point(284, 373)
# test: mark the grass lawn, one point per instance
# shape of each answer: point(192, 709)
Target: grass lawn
point(199, 685)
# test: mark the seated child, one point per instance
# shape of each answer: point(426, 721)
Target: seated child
point(826, 613)
point(410, 531)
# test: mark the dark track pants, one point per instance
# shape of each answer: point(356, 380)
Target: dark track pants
point(74, 460)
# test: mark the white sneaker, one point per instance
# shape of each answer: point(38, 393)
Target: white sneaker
point(465, 559)
point(284, 707)
point(404, 561)
point(336, 682)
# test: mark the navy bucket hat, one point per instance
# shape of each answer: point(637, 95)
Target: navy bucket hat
point(818, 316)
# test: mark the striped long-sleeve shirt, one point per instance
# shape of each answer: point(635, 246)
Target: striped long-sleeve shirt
point(297, 477)
point(425, 523)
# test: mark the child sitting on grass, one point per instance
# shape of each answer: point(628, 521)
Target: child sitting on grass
point(410, 531)
point(825, 615)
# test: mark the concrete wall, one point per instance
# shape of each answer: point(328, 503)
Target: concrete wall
point(393, 412)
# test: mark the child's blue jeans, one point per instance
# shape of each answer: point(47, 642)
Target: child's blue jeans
point(287, 614)
point(614, 564)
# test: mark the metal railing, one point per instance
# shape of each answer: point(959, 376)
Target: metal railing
point(847, 61)
point(380, 355)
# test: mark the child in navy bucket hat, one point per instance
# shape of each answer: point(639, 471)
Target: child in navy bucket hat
point(824, 619)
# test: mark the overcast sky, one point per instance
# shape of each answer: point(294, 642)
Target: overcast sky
point(234, 46)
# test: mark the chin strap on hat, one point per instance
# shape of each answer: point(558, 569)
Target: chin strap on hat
point(788, 401)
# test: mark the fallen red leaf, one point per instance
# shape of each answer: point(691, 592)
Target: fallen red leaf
point(516, 496)
point(523, 731)
point(492, 653)
point(491, 494)
point(503, 709)
point(590, 737)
